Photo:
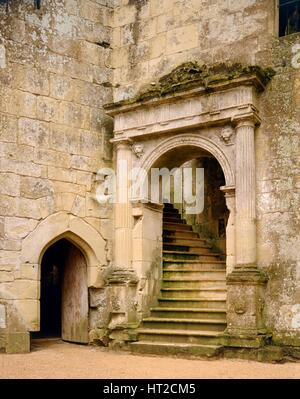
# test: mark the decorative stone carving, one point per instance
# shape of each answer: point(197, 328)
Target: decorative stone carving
point(240, 307)
point(226, 135)
point(138, 150)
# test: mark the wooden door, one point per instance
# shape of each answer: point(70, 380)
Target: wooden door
point(74, 297)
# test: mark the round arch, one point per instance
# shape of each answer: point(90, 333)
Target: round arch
point(193, 140)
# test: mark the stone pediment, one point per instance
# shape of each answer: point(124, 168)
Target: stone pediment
point(190, 76)
point(190, 96)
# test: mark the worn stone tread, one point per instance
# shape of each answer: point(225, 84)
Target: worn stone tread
point(199, 333)
point(191, 321)
point(194, 310)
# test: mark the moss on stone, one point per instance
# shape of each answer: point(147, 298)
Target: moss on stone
point(191, 75)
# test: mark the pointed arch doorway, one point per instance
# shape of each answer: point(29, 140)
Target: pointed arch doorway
point(64, 294)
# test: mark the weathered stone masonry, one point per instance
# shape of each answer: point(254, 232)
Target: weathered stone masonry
point(58, 67)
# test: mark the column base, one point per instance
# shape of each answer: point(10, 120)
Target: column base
point(233, 339)
point(122, 293)
point(245, 303)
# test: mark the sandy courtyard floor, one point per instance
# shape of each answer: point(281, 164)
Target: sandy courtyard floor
point(57, 359)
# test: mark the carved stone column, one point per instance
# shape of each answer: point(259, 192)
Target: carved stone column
point(123, 209)
point(122, 279)
point(229, 192)
point(245, 285)
point(245, 191)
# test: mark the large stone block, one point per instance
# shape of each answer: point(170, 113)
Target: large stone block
point(33, 132)
point(75, 115)
point(2, 316)
point(9, 184)
point(83, 163)
point(28, 208)
point(6, 276)
point(28, 272)
point(9, 128)
point(11, 245)
point(20, 289)
point(29, 313)
point(84, 178)
point(64, 139)
point(91, 11)
point(124, 16)
point(26, 104)
point(67, 175)
point(36, 188)
point(51, 157)
point(8, 205)
point(93, 53)
point(32, 80)
point(92, 95)
point(181, 39)
point(64, 187)
point(18, 342)
point(90, 144)
point(79, 206)
point(158, 46)
point(48, 109)
point(21, 168)
point(61, 87)
point(20, 152)
point(17, 228)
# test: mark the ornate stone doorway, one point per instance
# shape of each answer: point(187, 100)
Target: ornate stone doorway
point(217, 113)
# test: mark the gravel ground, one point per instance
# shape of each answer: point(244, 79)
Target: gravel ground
point(57, 359)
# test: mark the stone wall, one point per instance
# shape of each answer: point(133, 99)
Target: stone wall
point(54, 78)
point(152, 37)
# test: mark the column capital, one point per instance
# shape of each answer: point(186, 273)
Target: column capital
point(246, 119)
point(229, 191)
point(121, 143)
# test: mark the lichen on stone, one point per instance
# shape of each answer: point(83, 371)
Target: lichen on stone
point(191, 75)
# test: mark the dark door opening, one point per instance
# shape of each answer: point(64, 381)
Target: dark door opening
point(64, 297)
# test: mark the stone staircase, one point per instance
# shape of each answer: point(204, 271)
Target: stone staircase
point(190, 317)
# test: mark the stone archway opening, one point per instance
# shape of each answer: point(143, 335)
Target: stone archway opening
point(200, 175)
point(63, 293)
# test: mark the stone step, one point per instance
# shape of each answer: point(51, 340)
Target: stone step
point(188, 256)
point(171, 212)
point(184, 324)
point(182, 303)
point(193, 283)
point(182, 234)
point(177, 226)
point(191, 241)
point(178, 349)
point(189, 313)
point(173, 218)
point(180, 255)
point(203, 293)
point(192, 264)
point(168, 205)
point(174, 221)
point(172, 246)
point(183, 336)
point(204, 273)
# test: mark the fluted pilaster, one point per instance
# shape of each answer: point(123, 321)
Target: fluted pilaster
point(123, 211)
point(245, 191)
